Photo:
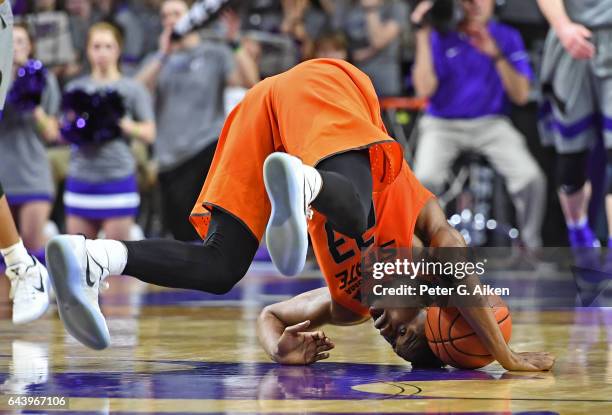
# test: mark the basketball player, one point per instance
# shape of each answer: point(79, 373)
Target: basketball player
point(29, 279)
point(322, 113)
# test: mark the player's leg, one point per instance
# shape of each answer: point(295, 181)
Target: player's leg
point(78, 266)
point(179, 191)
point(574, 196)
point(29, 279)
point(340, 187)
point(574, 127)
point(605, 104)
point(346, 193)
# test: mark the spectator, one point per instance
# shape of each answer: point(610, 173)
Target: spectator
point(576, 75)
point(188, 79)
point(373, 29)
point(29, 121)
point(81, 16)
point(264, 15)
point(51, 30)
point(306, 20)
point(123, 14)
point(469, 75)
point(101, 191)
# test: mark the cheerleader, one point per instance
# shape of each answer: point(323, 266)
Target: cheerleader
point(29, 121)
point(29, 278)
point(101, 190)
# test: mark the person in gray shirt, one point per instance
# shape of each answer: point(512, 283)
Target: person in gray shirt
point(101, 190)
point(373, 29)
point(188, 80)
point(24, 168)
point(576, 75)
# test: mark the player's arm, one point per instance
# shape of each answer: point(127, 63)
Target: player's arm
point(573, 36)
point(433, 228)
point(282, 328)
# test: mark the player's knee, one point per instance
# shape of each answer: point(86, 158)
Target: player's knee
point(225, 277)
point(571, 172)
point(218, 278)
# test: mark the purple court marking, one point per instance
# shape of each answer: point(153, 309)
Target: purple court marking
point(204, 380)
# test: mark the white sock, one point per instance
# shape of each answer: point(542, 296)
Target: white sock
point(314, 182)
point(16, 254)
point(111, 253)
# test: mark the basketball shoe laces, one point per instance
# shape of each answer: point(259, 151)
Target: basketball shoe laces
point(17, 274)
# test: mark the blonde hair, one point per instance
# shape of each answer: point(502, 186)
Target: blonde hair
point(106, 27)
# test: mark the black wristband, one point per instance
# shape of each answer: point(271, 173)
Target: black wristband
point(500, 56)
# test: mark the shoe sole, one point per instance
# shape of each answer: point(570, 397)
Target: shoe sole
point(286, 233)
point(84, 323)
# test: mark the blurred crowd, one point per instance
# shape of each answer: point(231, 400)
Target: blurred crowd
point(177, 94)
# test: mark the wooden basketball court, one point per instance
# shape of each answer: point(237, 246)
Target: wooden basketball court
point(189, 352)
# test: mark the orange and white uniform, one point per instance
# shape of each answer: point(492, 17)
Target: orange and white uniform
point(317, 109)
point(396, 209)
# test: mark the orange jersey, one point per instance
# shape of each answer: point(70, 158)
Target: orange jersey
point(396, 210)
point(315, 110)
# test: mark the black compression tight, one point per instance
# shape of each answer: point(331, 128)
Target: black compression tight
point(218, 264)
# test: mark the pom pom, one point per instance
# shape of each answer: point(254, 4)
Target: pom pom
point(28, 86)
point(91, 118)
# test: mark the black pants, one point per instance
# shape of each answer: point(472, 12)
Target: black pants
point(180, 188)
point(229, 248)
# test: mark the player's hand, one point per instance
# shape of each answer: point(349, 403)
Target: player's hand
point(530, 361)
point(575, 38)
point(299, 347)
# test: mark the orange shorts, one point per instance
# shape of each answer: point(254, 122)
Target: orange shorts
point(315, 110)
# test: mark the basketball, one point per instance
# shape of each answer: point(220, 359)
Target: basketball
point(452, 339)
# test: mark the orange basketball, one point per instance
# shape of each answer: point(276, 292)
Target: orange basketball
point(452, 339)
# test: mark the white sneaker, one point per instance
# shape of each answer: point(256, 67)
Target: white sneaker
point(76, 274)
point(291, 187)
point(29, 290)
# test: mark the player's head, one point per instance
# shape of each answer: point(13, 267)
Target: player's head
point(479, 11)
point(404, 329)
point(23, 44)
point(171, 11)
point(332, 45)
point(104, 43)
